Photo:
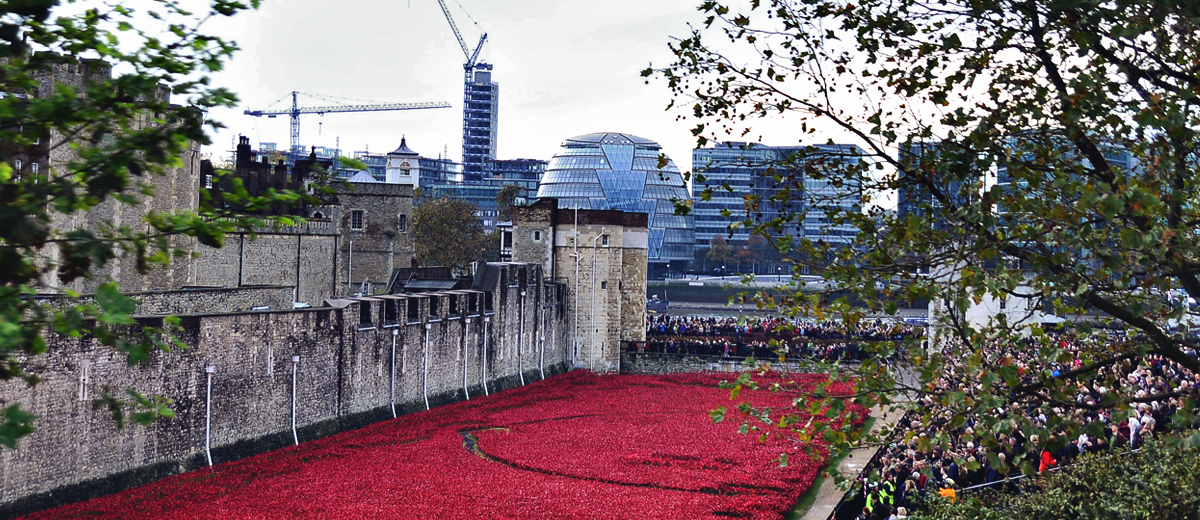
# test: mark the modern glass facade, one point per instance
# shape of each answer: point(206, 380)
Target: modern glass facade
point(744, 166)
point(620, 171)
point(482, 193)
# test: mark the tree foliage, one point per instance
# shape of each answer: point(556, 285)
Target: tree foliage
point(1048, 149)
point(99, 141)
point(447, 233)
point(507, 199)
point(1157, 482)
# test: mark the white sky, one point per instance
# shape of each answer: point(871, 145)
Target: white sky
point(565, 68)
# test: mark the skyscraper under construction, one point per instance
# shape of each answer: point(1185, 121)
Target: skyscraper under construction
point(481, 105)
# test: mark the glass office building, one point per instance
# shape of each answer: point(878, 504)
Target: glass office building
point(746, 169)
point(620, 171)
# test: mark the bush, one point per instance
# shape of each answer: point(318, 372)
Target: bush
point(1159, 482)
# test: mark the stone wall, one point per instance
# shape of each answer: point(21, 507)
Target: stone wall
point(199, 300)
point(381, 245)
point(344, 379)
point(302, 257)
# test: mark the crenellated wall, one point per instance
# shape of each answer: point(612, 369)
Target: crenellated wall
point(344, 379)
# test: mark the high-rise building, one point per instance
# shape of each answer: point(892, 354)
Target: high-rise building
point(746, 169)
point(524, 173)
point(620, 171)
point(915, 199)
point(481, 105)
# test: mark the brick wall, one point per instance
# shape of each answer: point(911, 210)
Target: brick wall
point(344, 380)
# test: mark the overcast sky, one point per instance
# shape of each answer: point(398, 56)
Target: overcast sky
point(565, 68)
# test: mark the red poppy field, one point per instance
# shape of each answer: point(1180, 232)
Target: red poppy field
point(577, 445)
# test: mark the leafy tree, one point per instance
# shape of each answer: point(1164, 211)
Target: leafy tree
point(447, 233)
point(1157, 482)
point(720, 252)
point(507, 199)
point(67, 149)
point(1048, 149)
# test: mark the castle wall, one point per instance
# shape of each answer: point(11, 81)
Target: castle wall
point(192, 301)
point(344, 380)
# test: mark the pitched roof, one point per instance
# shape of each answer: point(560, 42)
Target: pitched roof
point(403, 150)
point(362, 176)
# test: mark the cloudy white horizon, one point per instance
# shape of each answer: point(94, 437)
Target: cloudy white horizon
point(565, 68)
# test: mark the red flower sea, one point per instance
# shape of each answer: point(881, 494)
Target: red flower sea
point(578, 445)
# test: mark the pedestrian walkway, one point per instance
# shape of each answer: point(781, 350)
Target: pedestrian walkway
point(828, 495)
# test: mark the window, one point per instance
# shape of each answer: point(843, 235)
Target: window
point(208, 182)
point(487, 301)
point(537, 236)
point(603, 240)
point(473, 303)
point(413, 310)
point(17, 165)
point(604, 285)
point(403, 223)
point(33, 167)
point(433, 306)
point(356, 220)
point(506, 237)
point(364, 314)
point(390, 314)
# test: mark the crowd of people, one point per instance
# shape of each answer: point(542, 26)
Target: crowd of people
point(752, 337)
point(904, 471)
point(910, 468)
point(691, 326)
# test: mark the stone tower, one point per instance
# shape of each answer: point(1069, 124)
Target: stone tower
point(601, 256)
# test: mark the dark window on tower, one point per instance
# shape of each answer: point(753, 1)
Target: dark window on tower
point(537, 236)
point(506, 236)
point(403, 223)
point(433, 306)
point(487, 301)
point(390, 314)
point(413, 310)
point(604, 285)
point(356, 220)
point(364, 314)
point(603, 240)
point(453, 305)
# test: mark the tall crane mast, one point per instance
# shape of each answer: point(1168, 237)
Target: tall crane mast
point(296, 110)
point(472, 57)
point(480, 105)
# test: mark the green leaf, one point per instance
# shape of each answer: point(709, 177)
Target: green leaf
point(16, 425)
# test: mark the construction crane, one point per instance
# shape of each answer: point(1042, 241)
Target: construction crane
point(472, 57)
point(480, 105)
point(296, 110)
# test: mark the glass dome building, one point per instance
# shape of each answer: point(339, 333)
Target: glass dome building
point(620, 171)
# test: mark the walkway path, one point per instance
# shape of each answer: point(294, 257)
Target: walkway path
point(828, 494)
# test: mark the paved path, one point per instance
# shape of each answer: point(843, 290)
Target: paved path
point(828, 494)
